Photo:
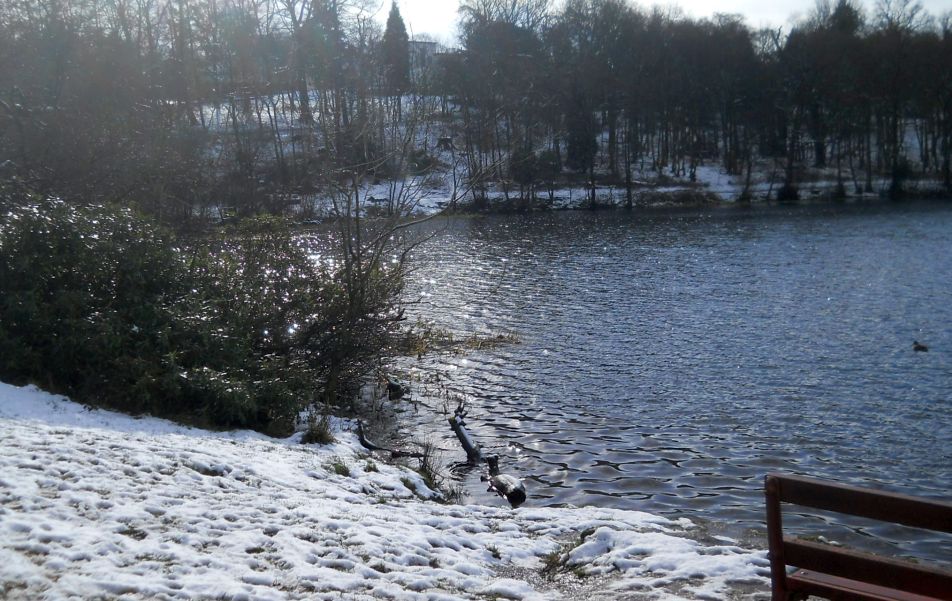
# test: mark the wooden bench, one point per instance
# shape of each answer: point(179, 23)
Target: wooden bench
point(838, 573)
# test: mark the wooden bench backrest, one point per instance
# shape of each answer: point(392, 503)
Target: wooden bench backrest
point(851, 500)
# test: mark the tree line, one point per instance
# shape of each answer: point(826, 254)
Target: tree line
point(604, 85)
point(178, 105)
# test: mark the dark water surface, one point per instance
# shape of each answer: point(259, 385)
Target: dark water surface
point(667, 361)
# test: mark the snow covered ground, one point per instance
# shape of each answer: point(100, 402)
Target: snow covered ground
point(100, 505)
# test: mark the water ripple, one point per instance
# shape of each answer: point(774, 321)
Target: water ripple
point(667, 362)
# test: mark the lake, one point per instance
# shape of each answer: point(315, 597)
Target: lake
point(667, 360)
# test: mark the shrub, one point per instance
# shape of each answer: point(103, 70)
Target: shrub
point(552, 563)
point(409, 484)
point(243, 330)
point(98, 304)
point(338, 466)
point(320, 325)
point(318, 431)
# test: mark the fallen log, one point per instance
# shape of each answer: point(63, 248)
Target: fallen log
point(473, 455)
point(394, 453)
point(506, 486)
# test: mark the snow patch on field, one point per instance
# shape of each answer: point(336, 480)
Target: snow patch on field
point(96, 504)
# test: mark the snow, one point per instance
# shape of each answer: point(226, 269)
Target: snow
point(96, 504)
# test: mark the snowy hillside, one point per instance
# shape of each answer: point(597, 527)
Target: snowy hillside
point(100, 505)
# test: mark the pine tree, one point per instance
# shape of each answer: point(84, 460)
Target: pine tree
point(396, 53)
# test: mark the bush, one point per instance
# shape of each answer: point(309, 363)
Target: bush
point(99, 304)
point(245, 330)
point(317, 326)
point(318, 431)
point(338, 466)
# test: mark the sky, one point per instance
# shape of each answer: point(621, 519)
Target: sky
point(438, 17)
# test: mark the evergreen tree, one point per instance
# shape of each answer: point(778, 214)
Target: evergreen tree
point(396, 53)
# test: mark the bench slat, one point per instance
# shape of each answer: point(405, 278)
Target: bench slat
point(930, 514)
point(835, 587)
point(928, 580)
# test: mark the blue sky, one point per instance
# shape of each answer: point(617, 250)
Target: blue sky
point(438, 17)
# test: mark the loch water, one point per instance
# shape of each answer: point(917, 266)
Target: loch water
point(666, 360)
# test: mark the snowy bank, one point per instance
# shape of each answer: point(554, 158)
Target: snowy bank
point(95, 504)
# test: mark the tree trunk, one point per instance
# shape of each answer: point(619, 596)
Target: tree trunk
point(869, 151)
point(612, 141)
